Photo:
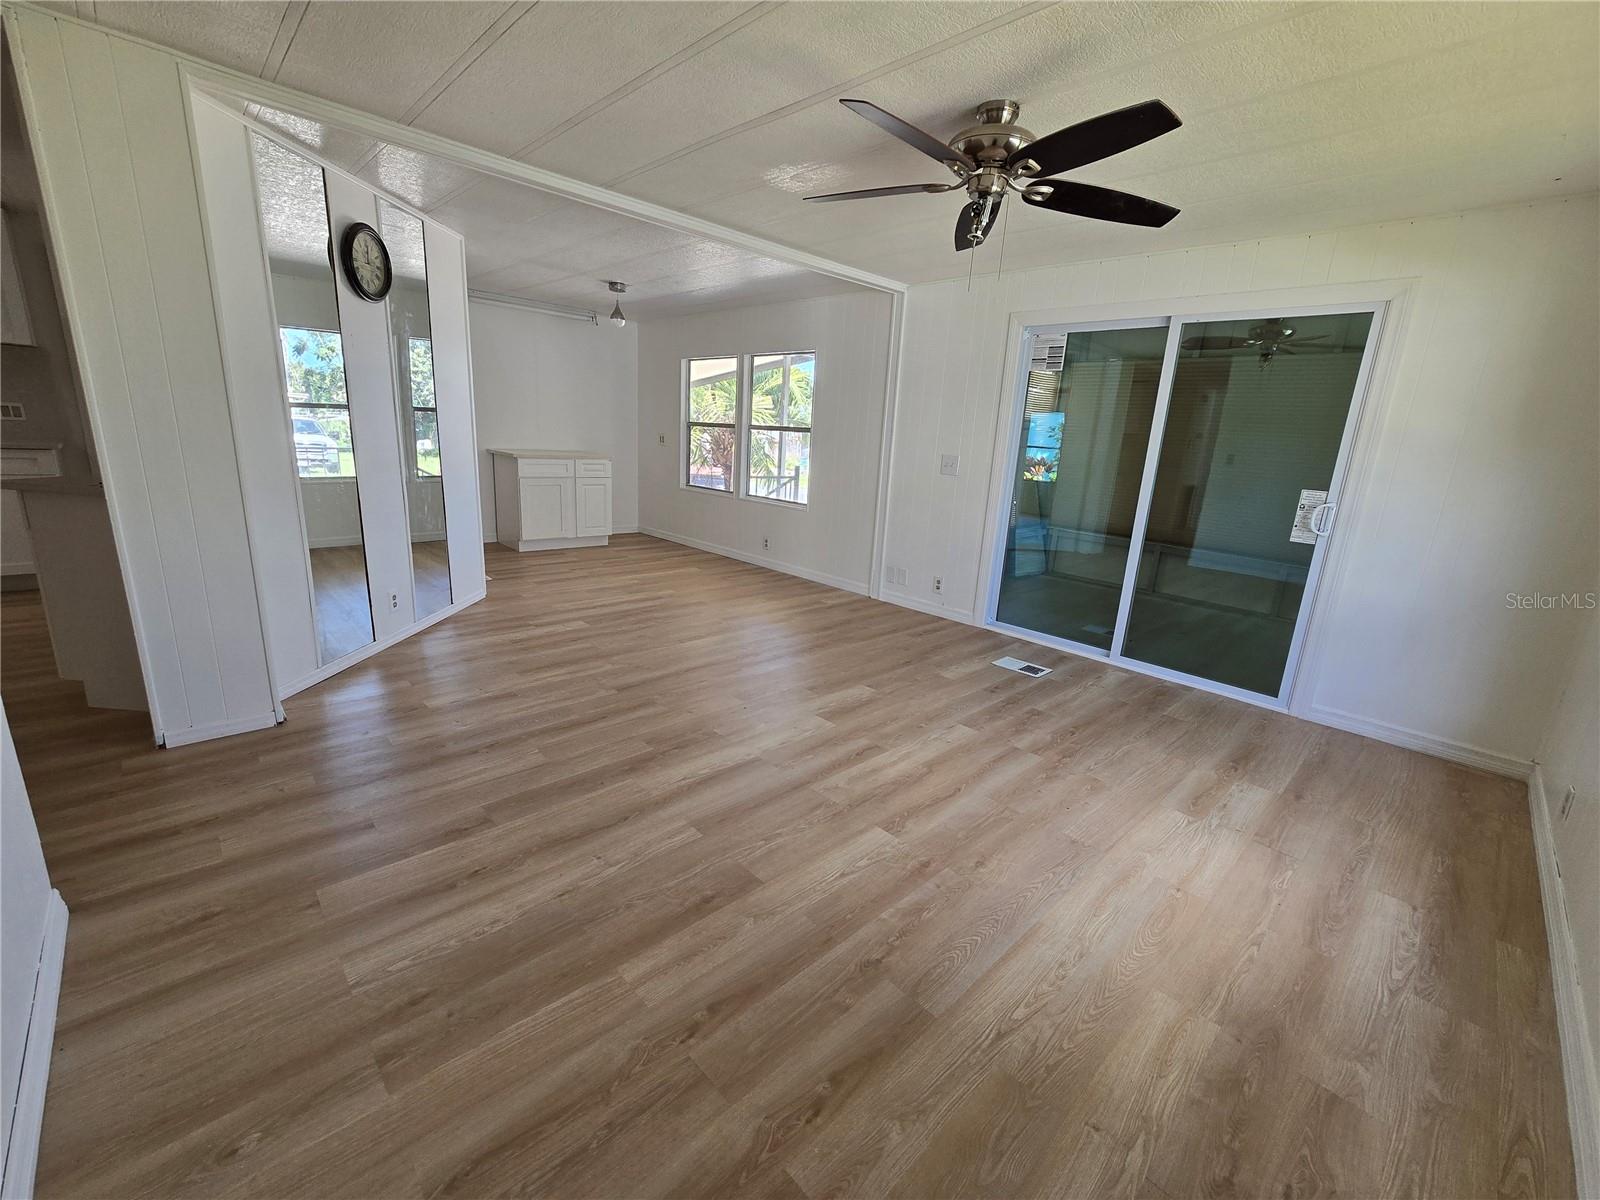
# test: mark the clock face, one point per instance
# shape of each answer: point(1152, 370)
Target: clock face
point(366, 261)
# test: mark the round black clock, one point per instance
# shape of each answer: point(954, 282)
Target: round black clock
point(366, 261)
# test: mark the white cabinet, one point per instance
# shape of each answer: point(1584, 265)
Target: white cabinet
point(594, 507)
point(547, 499)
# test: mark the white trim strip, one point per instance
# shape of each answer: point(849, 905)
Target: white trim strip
point(27, 1117)
point(1578, 1067)
point(854, 586)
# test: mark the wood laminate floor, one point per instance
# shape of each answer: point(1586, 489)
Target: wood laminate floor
point(344, 606)
point(658, 874)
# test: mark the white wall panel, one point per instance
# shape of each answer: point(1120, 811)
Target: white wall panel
point(831, 538)
point(264, 443)
point(113, 145)
point(453, 385)
point(1477, 456)
point(25, 898)
point(544, 382)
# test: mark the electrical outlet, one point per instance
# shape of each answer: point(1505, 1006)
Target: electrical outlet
point(938, 584)
point(1566, 802)
point(766, 543)
point(394, 599)
point(950, 464)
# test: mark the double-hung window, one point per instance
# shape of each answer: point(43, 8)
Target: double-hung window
point(319, 407)
point(424, 411)
point(779, 462)
point(750, 417)
point(713, 419)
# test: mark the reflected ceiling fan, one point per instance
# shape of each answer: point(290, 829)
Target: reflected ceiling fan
point(1266, 340)
point(997, 156)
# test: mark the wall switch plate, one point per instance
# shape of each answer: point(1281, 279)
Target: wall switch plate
point(661, 439)
point(950, 464)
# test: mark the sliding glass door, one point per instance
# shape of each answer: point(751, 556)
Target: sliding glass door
point(1173, 487)
point(1080, 451)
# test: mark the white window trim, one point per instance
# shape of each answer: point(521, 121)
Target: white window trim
point(744, 371)
point(682, 468)
point(748, 405)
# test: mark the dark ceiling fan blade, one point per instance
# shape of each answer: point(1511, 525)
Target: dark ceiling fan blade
point(908, 133)
point(1303, 338)
point(1099, 137)
point(1103, 204)
point(1217, 343)
point(904, 189)
point(965, 224)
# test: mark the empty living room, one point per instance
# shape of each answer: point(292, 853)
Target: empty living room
point(612, 599)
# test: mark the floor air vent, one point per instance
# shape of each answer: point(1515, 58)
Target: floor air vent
point(1020, 667)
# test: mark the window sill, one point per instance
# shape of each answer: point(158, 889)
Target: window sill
point(792, 505)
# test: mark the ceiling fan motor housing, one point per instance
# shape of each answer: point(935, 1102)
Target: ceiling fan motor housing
point(996, 136)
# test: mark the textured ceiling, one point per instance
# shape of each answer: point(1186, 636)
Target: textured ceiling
point(1297, 117)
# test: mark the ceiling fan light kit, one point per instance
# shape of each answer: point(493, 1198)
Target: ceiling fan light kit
point(996, 156)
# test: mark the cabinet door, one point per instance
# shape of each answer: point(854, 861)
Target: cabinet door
point(547, 509)
point(594, 507)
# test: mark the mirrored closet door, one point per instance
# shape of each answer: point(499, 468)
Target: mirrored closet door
point(1173, 487)
point(415, 395)
point(292, 196)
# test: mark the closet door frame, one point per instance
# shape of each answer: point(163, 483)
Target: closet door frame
point(1023, 333)
point(220, 176)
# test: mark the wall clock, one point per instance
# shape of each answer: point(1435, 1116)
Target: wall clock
point(366, 261)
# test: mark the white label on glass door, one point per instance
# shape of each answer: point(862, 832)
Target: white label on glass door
point(1304, 513)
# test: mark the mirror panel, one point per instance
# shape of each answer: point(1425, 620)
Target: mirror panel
point(419, 414)
point(294, 223)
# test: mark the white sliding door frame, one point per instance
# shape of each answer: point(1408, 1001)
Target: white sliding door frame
point(1022, 336)
point(1023, 344)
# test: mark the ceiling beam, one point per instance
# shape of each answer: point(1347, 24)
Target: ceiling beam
point(225, 82)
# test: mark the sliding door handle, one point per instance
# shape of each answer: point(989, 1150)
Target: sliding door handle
point(1322, 519)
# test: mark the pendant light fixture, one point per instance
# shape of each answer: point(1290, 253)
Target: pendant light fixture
point(617, 318)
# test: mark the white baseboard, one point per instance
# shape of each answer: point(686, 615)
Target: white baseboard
point(367, 651)
point(771, 564)
point(22, 1147)
point(1578, 1066)
point(171, 738)
point(932, 608)
point(1411, 739)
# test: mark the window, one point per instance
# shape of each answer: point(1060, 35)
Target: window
point(424, 412)
point(319, 408)
point(758, 403)
point(713, 415)
point(780, 426)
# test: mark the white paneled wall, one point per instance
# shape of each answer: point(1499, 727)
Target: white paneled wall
point(831, 539)
point(1476, 460)
point(544, 382)
point(113, 146)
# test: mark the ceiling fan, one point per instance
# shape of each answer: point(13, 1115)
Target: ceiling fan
point(997, 156)
point(1266, 340)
